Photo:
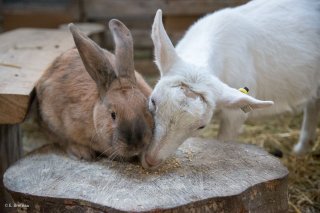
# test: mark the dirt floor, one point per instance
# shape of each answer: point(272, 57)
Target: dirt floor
point(277, 135)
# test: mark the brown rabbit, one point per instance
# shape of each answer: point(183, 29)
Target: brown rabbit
point(94, 101)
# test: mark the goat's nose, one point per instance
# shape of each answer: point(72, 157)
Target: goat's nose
point(152, 162)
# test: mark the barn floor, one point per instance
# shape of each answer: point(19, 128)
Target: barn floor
point(280, 133)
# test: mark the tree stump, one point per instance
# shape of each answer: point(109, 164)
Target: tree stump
point(203, 176)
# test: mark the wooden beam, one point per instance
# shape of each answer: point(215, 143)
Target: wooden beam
point(100, 9)
point(50, 14)
point(10, 151)
point(179, 23)
point(96, 31)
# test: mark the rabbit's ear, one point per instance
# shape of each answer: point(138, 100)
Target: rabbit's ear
point(95, 61)
point(165, 54)
point(123, 49)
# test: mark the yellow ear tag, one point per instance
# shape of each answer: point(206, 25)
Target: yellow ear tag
point(246, 108)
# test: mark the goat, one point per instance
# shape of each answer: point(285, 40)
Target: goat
point(272, 47)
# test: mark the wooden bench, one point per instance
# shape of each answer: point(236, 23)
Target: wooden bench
point(203, 176)
point(24, 56)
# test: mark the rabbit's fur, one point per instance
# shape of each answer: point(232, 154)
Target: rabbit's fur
point(94, 101)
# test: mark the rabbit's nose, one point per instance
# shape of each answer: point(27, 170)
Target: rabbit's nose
point(133, 132)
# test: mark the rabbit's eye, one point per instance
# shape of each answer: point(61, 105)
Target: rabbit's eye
point(113, 115)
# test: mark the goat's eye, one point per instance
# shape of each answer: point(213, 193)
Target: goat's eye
point(153, 102)
point(201, 127)
point(113, 115)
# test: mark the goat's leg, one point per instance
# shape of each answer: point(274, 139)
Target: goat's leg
point(309, 126)
point(231, 124)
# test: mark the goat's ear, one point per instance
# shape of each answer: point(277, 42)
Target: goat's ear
point(165, 54)
point(233, 98)
point(94, 60)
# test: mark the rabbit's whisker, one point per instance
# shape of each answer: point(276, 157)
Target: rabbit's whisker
point(105, 151)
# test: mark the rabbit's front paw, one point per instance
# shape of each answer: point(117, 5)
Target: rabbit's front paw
point(77, 151)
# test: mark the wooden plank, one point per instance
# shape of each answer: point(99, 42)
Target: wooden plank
point(203, 176)
point(198, 7)
point(41, 19)
point(24, 56)
point(88, 28)
point(179, 23)
point(96, 30)
point(39, 14)
point(132, 22)
point(97, 9)
point(9, 153)
point(13, 108)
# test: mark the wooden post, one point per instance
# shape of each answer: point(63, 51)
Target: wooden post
point(203, 176)
point(1, 16)
point(10, 151)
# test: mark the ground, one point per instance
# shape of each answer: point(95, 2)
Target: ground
point(279, 135)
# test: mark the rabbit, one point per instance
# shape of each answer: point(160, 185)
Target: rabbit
point(93, 101)
point(271, 47)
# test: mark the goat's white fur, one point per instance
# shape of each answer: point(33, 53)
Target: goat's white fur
point(270, 46)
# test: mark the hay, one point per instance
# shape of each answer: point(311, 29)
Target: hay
point(281, 134)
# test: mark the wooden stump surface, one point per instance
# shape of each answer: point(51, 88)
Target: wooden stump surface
point(204, 175)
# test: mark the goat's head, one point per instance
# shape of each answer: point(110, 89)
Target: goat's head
point(184, 99)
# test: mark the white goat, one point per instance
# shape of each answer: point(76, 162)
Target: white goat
point(270, 46)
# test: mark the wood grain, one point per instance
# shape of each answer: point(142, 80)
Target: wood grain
point(24, 56)
point(204, 176)
point(45, 14)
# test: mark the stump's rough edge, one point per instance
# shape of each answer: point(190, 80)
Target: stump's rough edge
point(217, 203)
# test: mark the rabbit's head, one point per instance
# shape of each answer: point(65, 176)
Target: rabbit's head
point(121, 118)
